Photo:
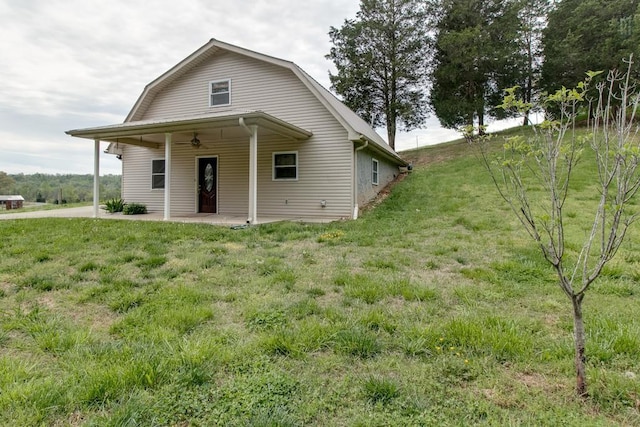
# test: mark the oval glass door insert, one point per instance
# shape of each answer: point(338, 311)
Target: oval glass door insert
point(208, 177)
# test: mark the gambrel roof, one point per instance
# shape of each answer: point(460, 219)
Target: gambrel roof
point(357, 129)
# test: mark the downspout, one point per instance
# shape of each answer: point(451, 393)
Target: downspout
point(356, 208)
point(253, 170)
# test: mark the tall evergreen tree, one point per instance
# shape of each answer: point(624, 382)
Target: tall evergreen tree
point(584, 35)
point(381, 58)
point(477, 56)
point(533, 20)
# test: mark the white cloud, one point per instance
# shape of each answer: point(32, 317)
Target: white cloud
point(69, 64)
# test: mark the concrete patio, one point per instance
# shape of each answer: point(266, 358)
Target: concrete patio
point(213, 219)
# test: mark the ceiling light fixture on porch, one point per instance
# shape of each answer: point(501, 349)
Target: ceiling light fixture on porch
point(195, 141)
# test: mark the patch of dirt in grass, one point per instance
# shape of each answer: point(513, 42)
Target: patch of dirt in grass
point(551, 319)
point(234, 246)
point(396, 304)
point(330, 299)
point(538, 381)
point(47, 301)
point(5, 288)
point(500, 399)
point(532, 380)
point(75, 419)
point(507, 396)
point(95, 316)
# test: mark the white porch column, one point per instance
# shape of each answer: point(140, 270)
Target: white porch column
point(167, 176)
point(96, 177)
point(253, 175)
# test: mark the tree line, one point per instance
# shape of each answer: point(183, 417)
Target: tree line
point(68, 188)
point(400, 60)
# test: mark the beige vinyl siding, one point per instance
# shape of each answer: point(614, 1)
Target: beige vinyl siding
point(325, 160)
point(233, 181)
point(316, 180)
point(136, 168)
point(322, 175)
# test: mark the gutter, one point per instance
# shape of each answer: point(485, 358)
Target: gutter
point(356, 208)
point(244, 126)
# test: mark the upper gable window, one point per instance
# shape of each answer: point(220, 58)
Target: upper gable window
point(220, 93)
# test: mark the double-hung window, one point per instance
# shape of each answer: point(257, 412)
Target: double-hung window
point(285, 166)
point(157, 174)
point(220, 93)
point(374, 171)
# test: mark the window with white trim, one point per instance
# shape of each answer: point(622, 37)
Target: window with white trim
point(220, 93)
point(374, 171)
point(285, 165)
point(157, 174)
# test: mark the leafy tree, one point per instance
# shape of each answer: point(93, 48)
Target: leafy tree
point(381, 60)
point(583, 35)
point(477, 55)
point(7, 183)
point(75, 188)
point(548, 160)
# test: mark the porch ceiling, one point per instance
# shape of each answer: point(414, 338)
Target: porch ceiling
point(221, 126)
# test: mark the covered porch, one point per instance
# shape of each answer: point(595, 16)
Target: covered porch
point(244, 128)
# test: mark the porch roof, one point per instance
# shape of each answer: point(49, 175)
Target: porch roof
point(9, 198)
point(211, 127)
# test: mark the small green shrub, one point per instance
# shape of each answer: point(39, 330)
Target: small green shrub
point(114, 205)
point(134, 209)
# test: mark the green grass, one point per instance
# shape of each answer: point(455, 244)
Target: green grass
point(432, 309)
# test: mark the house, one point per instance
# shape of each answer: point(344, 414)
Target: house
point(230, 131)
point(11, 202)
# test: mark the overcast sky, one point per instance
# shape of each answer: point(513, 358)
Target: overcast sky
point(70, 64)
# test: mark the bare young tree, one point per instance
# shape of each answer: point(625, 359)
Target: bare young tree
point(548, 159)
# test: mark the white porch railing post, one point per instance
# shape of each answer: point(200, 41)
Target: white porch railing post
point(167, 176)
point(96, 177)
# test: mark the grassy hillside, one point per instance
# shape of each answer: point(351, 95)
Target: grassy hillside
point(432, 309)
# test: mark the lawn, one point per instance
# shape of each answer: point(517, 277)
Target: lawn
point(431, 309)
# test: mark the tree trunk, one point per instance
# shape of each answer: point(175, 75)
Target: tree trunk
point(391, 135)
point(527, 98)
point(528, 89)
point(579, 339)
point(391, 132)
